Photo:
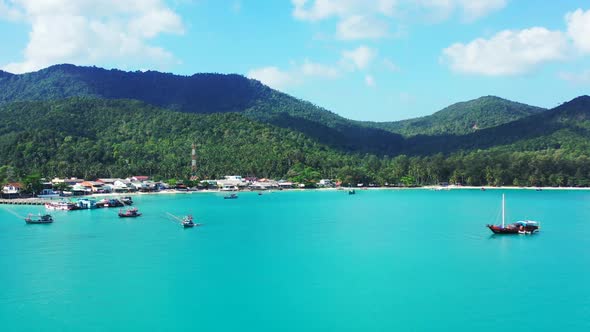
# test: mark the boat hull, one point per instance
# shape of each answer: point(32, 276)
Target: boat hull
point(46, 219)
point(513, 229)
point(33, 222)
point(122, 215)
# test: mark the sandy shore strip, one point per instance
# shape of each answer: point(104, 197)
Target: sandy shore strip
point(434, 188)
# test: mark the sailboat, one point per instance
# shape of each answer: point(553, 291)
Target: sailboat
point(519, 227)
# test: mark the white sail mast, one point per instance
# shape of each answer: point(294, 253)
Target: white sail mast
point(503, 212)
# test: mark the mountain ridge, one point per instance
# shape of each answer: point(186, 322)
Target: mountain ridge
point(463, 117)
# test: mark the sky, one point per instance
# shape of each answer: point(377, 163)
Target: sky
point(378, 60)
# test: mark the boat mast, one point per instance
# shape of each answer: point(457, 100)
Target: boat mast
point(503, 213)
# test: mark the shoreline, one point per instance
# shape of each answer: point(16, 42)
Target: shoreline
point(432, 188)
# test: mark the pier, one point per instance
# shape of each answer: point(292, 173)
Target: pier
point(23, 201)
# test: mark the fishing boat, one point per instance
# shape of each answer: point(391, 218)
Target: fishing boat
point(127, 200)
point(61, 206)
point(41, 219)
point(187, 222)
point(109, 203)
point(351, 192)
point(231, 196)
point(519, 227)
point(130, 213)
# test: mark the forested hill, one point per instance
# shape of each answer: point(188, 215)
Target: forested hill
point(566, 127)
point(463, 118)
point(203, 94)
point(92, 138)
point(4, 74)
point(199, 93)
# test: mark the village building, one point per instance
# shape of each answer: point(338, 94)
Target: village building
point(94, 186)
point(231, 183)
point(11, 190)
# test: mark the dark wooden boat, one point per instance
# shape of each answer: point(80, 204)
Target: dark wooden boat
point(130, 213)
point(109, 203)
point(127, 200)
point(231, 196)
point(187, 222)
point(351, 192)
point(519, 227)
point(42, 219)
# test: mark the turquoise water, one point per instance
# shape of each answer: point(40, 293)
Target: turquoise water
point(302, 261)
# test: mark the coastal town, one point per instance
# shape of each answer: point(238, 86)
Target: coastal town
point(69, 187)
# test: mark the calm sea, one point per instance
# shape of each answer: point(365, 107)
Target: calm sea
point(412, 260)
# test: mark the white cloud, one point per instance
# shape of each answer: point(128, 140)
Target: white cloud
point(273, 77)
point(280, 79)
point(578, 29)
point(508, 52)
point(358, 19)
point(319, 70)
point(471, 9)
point(370, 81)
point(8, 12)
point(315, 10)
point(474, 9)
point(582, 77)
point(361, 27)
point(89, 31)
point(368, 19)
point(360, 58)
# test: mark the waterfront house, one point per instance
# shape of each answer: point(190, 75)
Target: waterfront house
point(285, 184)
point(79, 190)
point(11, 190)
point(94, 186)
point(123, 186)
point(208, 184)
point(231, 182)
point(69, 182)
point(263, 184)
point(326, 183)
point(139, 178)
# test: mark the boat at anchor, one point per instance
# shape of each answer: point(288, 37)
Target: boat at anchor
point(130, 213)
point(231, 196)
point(61, 206)
point(519, 227)
point(41, 219)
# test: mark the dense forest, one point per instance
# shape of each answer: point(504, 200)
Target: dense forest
point(217, 93)
point(463, 118)
point(90, 122)
point(89, 138)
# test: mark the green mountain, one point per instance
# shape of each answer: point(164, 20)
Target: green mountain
point(202, 94)
point(463, 118)
point(565, 127)
point(90, 138)
point(4, 74)
point(90, 122)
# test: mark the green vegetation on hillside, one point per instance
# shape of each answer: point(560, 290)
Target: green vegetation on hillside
point(202, 94)
point(91, 138)
point(463, 118)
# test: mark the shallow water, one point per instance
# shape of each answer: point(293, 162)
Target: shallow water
point(411, 260)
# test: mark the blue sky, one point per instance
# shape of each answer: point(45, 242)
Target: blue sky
point(376, 60)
